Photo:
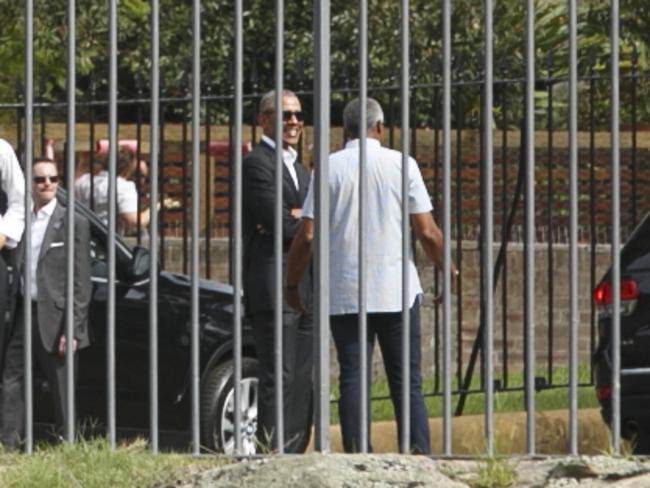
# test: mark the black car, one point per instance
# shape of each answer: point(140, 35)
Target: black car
point(174, 332)
point(635, 339)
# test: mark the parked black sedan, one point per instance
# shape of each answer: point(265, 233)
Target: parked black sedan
point(174, 332)
point(635, 339)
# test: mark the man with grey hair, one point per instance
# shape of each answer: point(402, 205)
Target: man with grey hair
point(259, 277)
point(384, 269)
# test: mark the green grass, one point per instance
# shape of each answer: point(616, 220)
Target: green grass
point(548, 399)
point(493, 472)
point(91, 463)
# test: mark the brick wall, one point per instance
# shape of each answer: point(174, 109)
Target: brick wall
point(551, 316)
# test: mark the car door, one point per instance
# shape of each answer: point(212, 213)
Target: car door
point(131, 342)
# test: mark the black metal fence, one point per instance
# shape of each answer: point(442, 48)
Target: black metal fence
point(471, 184)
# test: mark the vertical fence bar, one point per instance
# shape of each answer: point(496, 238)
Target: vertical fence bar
point(633, 122)
point(616, 230)
point(573, 229)
point(436, 167)
point(237, 208)
point(406, 234)
point(161, 181)
point(138, 170)
point(70, 230)
point(153, 222)
point(487, 228)
point(529, 246)
point(209, 182)
point(446, 226)
point(196, 119)
point(459, 243)
point(550, 266)
point(184, 189)
point(277, 229)
point(321, 222)
point(91, 144)
point(112, 175)
point(504, 229)
point(363, 245)
point(41, 113)
point(27, 276)
point(592, 215)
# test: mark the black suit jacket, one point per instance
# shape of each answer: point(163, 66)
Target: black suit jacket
point(51, 279)
point(258, 184)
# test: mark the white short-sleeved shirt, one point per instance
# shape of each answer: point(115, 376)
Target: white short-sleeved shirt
point(127, 195)
point(12, 223)
point(384, 227)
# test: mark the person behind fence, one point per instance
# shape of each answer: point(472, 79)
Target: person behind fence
point(384, 269)
point(12, 224)
point(48, 300)
point(127, 194)
point(258, 215)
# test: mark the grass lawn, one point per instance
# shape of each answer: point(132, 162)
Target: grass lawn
point(92, 464)
point(547, 399)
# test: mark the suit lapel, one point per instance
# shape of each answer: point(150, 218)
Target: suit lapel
point(286, 176)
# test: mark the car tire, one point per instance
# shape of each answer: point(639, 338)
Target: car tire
point(217, 408)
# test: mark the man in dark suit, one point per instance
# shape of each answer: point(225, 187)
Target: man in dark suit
point(259, 288)
point(48, 271)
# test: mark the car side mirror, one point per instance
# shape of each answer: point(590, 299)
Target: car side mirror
point(140, 263)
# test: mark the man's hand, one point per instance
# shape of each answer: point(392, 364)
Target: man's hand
point(3, 241)
point(61, 346)
point(455, 276)
point(296, 213)
point(292, 297)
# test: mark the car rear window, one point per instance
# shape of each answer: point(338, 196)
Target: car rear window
point(636, 252)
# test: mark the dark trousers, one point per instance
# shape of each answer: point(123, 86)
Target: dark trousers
point(297, 379)
point(387, 328)
point(6, 299)
point(12, 406)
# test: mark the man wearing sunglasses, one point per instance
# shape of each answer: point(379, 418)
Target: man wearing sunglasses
point(48, 300)
point(259, 168)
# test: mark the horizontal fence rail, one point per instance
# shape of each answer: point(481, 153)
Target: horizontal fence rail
point(535, 175)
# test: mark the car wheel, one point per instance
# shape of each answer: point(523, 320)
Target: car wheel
point(218, 408)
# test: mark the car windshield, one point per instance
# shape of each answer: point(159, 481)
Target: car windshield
point(636, 252)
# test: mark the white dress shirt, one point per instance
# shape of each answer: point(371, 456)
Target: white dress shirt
point(39, 223)
point(12, 223)
point(289, 156)
point(383, 227)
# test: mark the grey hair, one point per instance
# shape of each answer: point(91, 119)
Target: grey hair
point(267, 102)
point(352, 113)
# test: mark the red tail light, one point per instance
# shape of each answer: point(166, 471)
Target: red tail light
point(603, 393)
point(603, 292)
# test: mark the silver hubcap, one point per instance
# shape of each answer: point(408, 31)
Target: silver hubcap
point(248, 426)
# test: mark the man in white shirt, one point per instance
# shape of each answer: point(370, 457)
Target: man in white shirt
point(383, 264)
point(48, 299)
point(258, 184)
point(12, 224)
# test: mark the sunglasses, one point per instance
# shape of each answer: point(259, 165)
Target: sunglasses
point(42, 179)
point(287, 114)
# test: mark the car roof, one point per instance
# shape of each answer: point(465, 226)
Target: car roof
point(95, 221)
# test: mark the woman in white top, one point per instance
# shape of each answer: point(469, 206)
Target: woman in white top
point(127, 194)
